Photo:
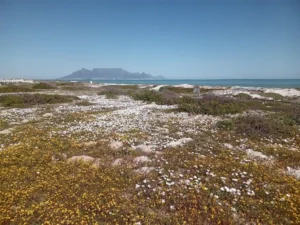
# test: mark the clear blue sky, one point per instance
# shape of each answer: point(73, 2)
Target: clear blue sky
point(176, 39)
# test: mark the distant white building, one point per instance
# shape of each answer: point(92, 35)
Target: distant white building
point(11, 81)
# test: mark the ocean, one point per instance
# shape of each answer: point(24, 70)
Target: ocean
point(270, 83)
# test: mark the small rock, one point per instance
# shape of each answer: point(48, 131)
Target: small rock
point(6, 131)
point(97, 163)
point(25, 121)
point(141, 159)
point(48, 115)
point(179, 142)
point(229, 146)
point(64, 156)
point(14, 123)
point(293, 172)
point(83, 158)
point(202, 156)
point(144, 148)
point(255, 154)
point(117, 162)
point(116, 145)
point(162, 130)
point(179, 133)
point(144, 170)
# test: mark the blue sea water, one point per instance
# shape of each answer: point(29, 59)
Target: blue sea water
point(270, 83)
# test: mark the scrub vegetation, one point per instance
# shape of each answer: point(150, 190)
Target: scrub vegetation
point(104, 158)
point(25, 100)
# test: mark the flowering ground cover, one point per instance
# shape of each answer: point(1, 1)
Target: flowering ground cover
point(124, 161)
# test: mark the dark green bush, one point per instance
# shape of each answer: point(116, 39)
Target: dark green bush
point(180, 90)
point(84, 103)
point(75, 88)
point(275, 96)
point(255, 126)
point(225, 124)
point(243, 96)
point(212, 105)
point(149, 96)
point(14, 88)
point(109, 94)
point(115, 90)
point(160, 98)
point(42, 85)
point(33, 99)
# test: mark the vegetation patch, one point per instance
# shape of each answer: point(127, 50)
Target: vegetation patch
point(257, 126)
point(179, 90)
point(275, 96)
point(211, 105)
point(84, 103)
point(3, 124)
point(113, 91)
point(74, 88)
point(33, 99)
point(14, 88)
point(243, 96)
point(207, 90)
point(160, 98)
point(42, 85)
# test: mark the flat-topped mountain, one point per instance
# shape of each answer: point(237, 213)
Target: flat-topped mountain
point(109, 74)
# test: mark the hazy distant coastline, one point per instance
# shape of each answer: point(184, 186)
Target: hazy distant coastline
point(108, 74)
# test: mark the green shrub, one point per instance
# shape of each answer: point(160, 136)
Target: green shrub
point(294, 114)
point(180, 90)
point(109, 94)
point(126, 87)
point(113, 91)
point(149, 96)
point(243, 96)
point(33, 99)
point(42, 85)
point(75, 88)
point(211, 105)
point(255, 126)
point(84, 103)
point(275, 96)
point(61, 83)
point(14, 88)
point(225, 124)
point(160, 98)
point(3, 124)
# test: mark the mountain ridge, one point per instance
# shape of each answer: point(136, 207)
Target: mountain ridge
point(109, 74)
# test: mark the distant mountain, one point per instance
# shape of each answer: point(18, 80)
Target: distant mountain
point(108, 74)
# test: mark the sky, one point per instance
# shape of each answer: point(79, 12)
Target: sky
point(179, 39)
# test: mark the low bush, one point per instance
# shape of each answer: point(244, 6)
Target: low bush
point(3, 124)
point(255, 126)
point(109, 94)
point(14, 88)
point(115, 90)
point(243, 96)
point(75, 88)
point(211, 105)
point(33, 99)
point(275, 96)
point(126, 87)
point(294, 114)
point(225, 124)
point(84, 103)
point(180, 90)
point(160, 98)
point(149, 96)
point(42, 85)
